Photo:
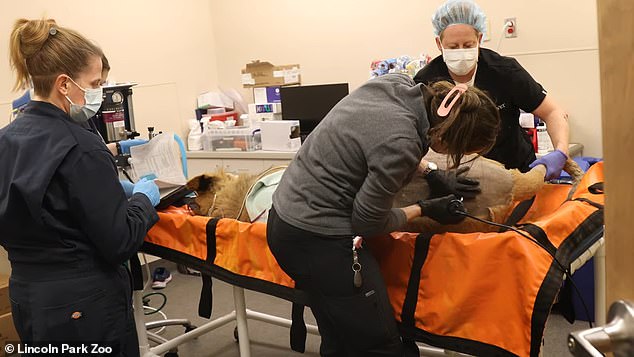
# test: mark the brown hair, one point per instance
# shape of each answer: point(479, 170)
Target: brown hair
point(471, 126)
point(105, 65)
point(40, 50)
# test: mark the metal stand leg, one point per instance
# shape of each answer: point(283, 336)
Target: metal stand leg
point(241, 319)
point(279, 321)
point(600, 305)
point(139, 321)
point(428, 351)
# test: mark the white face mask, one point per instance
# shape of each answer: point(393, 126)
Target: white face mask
point(92, 98)
point(460, 61)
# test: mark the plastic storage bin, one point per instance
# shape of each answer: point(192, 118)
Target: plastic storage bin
point(234, 139)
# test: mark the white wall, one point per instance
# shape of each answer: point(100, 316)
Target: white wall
point(165, 46)
point(335, 41)
point(178, 49)
point(175, 50)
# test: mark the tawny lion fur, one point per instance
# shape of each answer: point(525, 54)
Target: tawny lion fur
point(222, 194)
point(500, 189)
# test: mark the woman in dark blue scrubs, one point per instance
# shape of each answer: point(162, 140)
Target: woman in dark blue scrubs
point(64, 218)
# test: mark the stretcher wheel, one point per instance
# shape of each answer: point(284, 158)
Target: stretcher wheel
point(235, 334)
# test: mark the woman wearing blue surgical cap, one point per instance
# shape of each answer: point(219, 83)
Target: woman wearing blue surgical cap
point(459, 26)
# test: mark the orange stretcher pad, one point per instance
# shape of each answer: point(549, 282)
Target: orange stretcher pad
point(486, 294)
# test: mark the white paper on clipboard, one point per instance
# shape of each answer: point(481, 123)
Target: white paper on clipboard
point(159, 157)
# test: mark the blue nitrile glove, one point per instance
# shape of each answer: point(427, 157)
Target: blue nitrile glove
point(149, 189)
point(125, 145)
point(554, 163)
point(128, 187)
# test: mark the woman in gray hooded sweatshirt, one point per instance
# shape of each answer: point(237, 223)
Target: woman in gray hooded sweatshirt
point(342, 183)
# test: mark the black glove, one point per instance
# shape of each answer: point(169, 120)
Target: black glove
point(442, 183)
point(442, 209)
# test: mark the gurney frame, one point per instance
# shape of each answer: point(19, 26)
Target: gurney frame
point(241, 314)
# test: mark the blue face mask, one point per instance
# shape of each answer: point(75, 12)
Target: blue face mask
point(92, 98)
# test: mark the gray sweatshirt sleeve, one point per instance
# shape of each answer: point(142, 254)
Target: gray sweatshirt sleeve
point(390, 166)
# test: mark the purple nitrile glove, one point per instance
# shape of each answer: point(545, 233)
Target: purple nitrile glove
point(554, 163)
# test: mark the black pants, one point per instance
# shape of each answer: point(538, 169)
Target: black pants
point(93, 308)
point(352, 321)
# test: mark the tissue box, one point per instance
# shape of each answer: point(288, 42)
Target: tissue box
point(272, 108)
point(280, 135)
point(265, 111)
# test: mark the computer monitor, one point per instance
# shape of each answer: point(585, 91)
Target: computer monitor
point(310, 104)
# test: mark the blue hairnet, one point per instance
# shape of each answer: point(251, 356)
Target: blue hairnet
point(453, 12)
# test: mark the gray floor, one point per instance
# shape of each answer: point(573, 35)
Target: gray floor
point(268, 340)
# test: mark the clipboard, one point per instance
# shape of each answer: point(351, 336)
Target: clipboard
point(172, 198)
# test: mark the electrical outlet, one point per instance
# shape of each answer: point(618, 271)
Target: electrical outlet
point(510, 27)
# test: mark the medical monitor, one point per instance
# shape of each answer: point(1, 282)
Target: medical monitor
point(310, 104)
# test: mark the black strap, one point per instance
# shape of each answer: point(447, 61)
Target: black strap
point(298, 328)
point(592, 203)
point(518, 213)
point(541, 237)
point(136, 272)
point(596, 188)
point(206, 297)
point(410, 348)
point(411, 295)
point(564, 302)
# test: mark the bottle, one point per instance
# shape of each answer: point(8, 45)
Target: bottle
point(205, 138)
point(194, 139)
point(544, 144)
point(244, 120)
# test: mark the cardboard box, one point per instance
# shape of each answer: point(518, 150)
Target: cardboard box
point(7, 332)
point(5, 304)
point(263, 95)
point(265, 74)
point(280, 135)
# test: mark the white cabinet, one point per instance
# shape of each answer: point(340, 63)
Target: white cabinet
point(197, 166)
point(242, 166)
point(271, 163)
point(252, 162)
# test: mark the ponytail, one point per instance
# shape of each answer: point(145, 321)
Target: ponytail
point(471, 126)
point(40, 50)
